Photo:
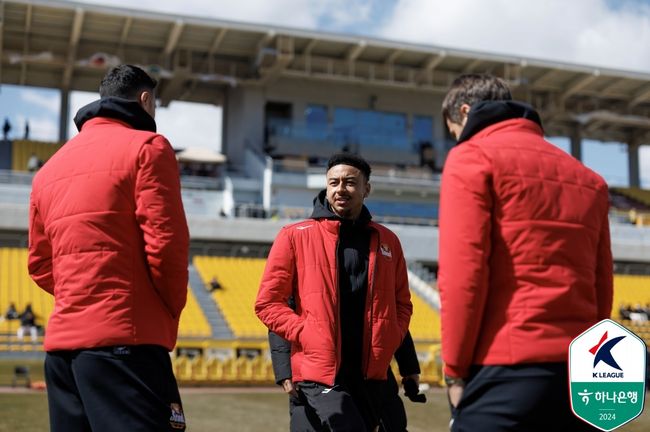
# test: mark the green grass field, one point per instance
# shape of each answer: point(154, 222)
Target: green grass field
point(225, 409)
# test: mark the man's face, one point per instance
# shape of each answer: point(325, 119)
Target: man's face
point(456, 129)
point(346, 189)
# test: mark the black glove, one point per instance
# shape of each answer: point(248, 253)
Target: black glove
point(412, 391)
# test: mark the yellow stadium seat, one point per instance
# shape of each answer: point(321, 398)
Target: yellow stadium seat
point(17, 287)
point(193, 322)
point(425, 321)
point(23, 149)
point(630, 290)
point(240, 278)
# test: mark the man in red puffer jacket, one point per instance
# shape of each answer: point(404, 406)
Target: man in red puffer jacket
point(525, 263)
point(108, 238)
point(348, 278)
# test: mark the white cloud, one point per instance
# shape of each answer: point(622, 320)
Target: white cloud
point(184, 124)
point(579, 31)
point(41, 128)
point(190, 125)
point(341, 14)
point(48, 100)
point(294, 13)
point(77, 100)
point(307, 14)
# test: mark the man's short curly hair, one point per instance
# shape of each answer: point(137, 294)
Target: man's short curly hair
point(352, 160)
point(126, 82)
point(470, 89)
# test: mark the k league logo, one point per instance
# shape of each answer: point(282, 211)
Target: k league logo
point(607, 375)
point(602, 352)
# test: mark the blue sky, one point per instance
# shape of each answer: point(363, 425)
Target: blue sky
point(602, 33)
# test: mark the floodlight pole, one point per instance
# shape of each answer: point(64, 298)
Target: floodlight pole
point(64, 114)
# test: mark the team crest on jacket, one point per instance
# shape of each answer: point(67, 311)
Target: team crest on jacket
point(385, 250)
point(177, 418)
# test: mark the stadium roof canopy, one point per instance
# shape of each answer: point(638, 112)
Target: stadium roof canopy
point(66, 45)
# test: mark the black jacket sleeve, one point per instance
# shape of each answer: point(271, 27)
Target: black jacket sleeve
point(281, 352)
point(407, 358)
point(280, 357)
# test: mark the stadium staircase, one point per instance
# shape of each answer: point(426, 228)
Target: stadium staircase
point(219, 326)
point(425, 322)
point(423, 282)
point(240, 278)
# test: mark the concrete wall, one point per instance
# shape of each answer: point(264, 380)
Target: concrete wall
point(244, 122)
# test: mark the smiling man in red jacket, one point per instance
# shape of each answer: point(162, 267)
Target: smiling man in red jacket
point(108, 238)
point(348, 278)
point(525, 263)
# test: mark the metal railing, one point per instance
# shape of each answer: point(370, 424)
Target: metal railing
point(16, 177)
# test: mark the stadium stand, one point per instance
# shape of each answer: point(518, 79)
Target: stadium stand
point(630, 205)
point(240, 278)
point(17, 287)
point(425, 322)
point(239, 363)
point(629, 199)
point(630, 290)
point(23, 149)
point(632, 293)
point(637, 198)
point(193, 321)
point(233, 370)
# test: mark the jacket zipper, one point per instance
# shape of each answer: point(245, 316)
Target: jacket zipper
point(370, 289)
point(337, 341)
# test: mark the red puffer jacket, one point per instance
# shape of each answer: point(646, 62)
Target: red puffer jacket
point(108, 236)
point(302, 262)
point(525, 258)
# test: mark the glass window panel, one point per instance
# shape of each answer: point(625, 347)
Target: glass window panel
point(422, 129)
point(316, 115)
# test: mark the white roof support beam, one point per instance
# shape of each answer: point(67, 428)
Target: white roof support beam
point(284, 55)
point(355, 51)
point(174, 36)
point(429, 66)
point(472, 66)
point(393, 56)
point(309, 47)
point(75, 35)
point(642, 96)
point(545, 76)
point(214, 47)
point(578, 85)
point(218, 39)
point(434, 61)
point(126, 28)
point(28, 19)
point(28, 31)
point(264, 41)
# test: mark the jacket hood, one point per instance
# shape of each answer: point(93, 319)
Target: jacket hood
point(487, 113)
point(125, 110)
point(323, 210)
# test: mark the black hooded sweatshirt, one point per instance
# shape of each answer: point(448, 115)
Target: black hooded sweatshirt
point(487, 113)
point(128, 111)
point(353, 252)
